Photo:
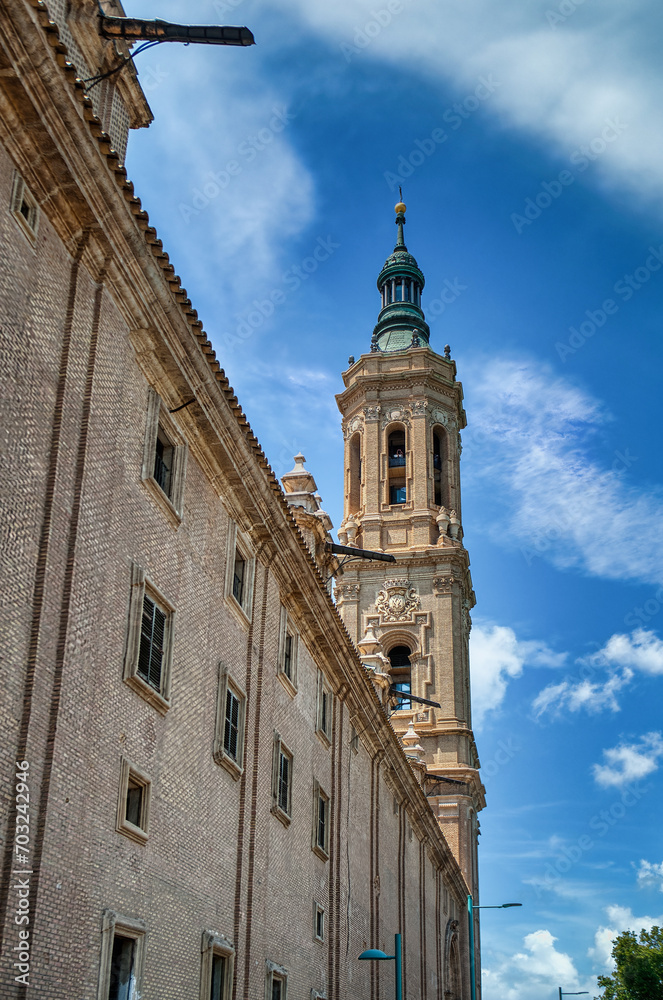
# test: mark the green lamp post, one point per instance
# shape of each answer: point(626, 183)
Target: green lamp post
point(375, 955)
point(470, 917)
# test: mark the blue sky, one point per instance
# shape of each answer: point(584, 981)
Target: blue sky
point(528, 140)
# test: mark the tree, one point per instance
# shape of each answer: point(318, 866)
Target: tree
point(639, 972)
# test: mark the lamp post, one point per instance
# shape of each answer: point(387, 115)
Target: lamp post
point(470, 917)
point(565, 994)
point(375, 955)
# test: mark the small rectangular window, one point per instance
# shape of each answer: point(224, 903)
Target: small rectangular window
point(134, 802)
point(163, 461)
point(24, 208)
point(287, 656)
point(133, 807)
point(288, 650)
point(240, 572)
point(238, 578)
point(282, 781)
point(324, 709)
point(318, 922)
point(321, 822)
point(230, 713)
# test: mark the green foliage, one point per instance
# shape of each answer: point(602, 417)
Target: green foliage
point(639, 972)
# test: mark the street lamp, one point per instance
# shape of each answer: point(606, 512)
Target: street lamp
point(375, 955)
point(470, 917)
point(565, 994)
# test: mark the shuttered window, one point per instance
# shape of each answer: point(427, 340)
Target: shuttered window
point(231, 730)
point(152, 637)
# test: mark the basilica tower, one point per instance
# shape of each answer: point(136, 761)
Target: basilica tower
point(402, 414)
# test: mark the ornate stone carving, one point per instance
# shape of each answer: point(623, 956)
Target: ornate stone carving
point(467, 619)
point(440, 417)
point(397, 600)
point(398, 413)
point(459, 445)
point(356, 424)
point(347, 591)
point(443, 584)
point(372, 413)
point(443, 417)
point(419, 407)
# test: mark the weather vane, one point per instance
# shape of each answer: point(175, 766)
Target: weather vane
point(132, 29)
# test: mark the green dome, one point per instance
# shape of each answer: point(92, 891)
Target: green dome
point(401, 323)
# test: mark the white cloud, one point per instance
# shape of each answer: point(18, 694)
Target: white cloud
point(621, 656)
point(559, 84)
point(642, 650)
point(629, 761)
point(650, 874)
point(497, 656)
point(593, 696)
point(527, 974)
point(530, 438)
point(620, 918)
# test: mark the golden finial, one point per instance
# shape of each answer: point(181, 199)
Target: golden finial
point(400, 208)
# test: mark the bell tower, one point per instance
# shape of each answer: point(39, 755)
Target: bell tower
point(402, 412)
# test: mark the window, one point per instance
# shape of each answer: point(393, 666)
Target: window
point(397, 493)
point(401, 669)
point(282, 781)
point(323, 725)
point(24, 208)
point(396, 448)
point(133, 802)
point(288, 653)
point(239, 572)
point(276, 982)
point(122, 957)
point(122, 971)
point(354, 472)
point(238, 577)
point(164, 458)
point(216, 975)
point(163, 462)
point(318, 922)
point(152, 638)
point(439, 443)
point(321, 822)
point(230, 715)
point(147, 663)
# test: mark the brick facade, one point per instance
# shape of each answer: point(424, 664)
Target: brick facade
point(93, 322)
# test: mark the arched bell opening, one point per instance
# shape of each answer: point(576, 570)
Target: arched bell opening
point(355, 473)
point(400, 671)
point(440, 453)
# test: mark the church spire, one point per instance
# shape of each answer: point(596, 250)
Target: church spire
point(401, 323)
